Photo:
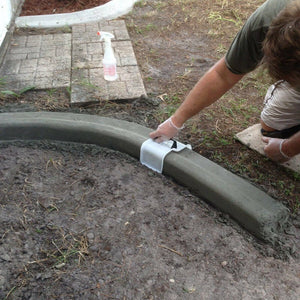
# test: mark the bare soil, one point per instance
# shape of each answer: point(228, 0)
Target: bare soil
point(82, 222)
point(44, 7)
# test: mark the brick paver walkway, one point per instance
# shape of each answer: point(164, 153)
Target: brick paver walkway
point(73, 60)
point(43, 61)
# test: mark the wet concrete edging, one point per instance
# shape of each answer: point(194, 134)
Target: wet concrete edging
point(249, 206)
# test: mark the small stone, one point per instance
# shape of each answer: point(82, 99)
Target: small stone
point(224, 263)
point(59, 266)
point(2, 282)
point(90, 236)
point(46, 275)
point(94, 248)
point(5, 257)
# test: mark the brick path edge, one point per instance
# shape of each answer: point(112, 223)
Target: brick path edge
point(253, 209)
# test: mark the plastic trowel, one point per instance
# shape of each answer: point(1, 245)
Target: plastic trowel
point(153, 153)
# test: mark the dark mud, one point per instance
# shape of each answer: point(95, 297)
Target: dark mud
point(83, 222)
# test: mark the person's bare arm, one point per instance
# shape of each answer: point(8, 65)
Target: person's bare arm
point(213, 85)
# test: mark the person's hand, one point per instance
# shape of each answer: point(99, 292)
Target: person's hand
point(165, 131)
point(273, 149)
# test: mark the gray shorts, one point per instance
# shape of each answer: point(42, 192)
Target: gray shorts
point(281, 106)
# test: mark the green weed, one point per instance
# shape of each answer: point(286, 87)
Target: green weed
point(19, 94)
point(160, 5)
point(74, 248)
point(51, 92)
point(69, 90)
point(2, 82)
point(140, 3)
point(216, 17)
point(10, 292)
point(144, 29)
point(86, 83)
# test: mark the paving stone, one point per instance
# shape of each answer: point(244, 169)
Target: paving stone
point(87, 55)
point(10, 68)
point(36, 60)
point(83, 91)
point(34, 41)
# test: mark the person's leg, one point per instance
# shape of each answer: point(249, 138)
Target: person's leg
point(280, 117)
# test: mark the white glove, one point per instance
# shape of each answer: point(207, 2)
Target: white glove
point(273, 149)
point(165, 131)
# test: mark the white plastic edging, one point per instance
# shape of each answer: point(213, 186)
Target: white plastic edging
point(108, 11)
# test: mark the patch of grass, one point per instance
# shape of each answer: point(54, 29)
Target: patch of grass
point(160, 4)
point(62, 249)
point(71, 247)
point(69, 90)
point(258, 79)
point(55, 163)
point(224, 21)
point(19, 94)
point(217, 17)
point(51, 92)
point(295, 205)
point(168, 106)
point(221, 50)
point(239, 111)
point(144, 29)
point(2, 82)
point(140, 3)
point(67, 29)
point(193, 127)
point(220, 139)
point(168, 111)
point(88, 84)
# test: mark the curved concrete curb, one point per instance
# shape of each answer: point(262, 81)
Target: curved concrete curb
point(252, 208)
point(108, 11)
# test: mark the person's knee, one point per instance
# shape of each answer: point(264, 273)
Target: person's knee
point(281, 107)
point(265, 126)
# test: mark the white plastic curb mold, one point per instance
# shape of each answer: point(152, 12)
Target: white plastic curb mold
point(109, 11)
point(153, 154)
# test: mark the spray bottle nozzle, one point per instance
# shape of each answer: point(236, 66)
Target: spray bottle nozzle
point(105, 35)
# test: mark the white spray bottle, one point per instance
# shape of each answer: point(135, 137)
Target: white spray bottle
point(109, 60)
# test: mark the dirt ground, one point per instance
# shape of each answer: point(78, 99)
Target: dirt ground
point(43, 7)
point(82, 222)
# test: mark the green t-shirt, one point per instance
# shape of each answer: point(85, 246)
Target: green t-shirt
point(245, 52)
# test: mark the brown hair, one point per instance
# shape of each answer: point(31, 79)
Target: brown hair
point(282, 45)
